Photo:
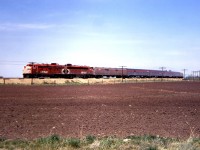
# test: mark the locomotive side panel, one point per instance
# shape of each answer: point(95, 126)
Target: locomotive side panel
point(139, 73)
point(78, 71)
point(109, 72)
point(99, 72)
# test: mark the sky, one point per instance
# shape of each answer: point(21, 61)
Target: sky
point(147, 34)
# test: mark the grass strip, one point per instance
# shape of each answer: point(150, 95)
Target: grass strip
point(145, 142)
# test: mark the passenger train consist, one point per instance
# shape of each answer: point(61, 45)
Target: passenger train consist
point(54, 70)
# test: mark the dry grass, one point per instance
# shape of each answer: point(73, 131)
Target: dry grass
point(60, 81)
point(146, 142)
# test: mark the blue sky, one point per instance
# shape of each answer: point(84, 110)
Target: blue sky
point(135, 33)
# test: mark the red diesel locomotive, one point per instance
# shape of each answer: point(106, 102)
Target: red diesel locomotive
point(54, 70)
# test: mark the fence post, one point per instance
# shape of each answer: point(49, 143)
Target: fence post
point(31, 81)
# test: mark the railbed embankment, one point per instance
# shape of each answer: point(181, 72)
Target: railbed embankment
point(61, 81)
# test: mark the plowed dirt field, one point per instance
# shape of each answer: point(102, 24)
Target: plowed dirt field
point(164, 109)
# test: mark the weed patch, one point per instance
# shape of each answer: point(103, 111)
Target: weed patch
point(146, 142)
point(74, 142)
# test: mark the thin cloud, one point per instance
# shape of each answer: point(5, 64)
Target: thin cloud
point(23, 26)
point(34, 26)
point(175, 53)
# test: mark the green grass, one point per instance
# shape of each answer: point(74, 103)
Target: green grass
point(146, 142)
point(90, 139)
point(74, 142)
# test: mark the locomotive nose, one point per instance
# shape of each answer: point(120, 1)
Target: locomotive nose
point(27, 70)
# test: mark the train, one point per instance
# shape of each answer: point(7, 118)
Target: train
point(54, 70)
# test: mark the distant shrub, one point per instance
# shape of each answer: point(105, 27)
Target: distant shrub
point(106, 143)
point(52, 139)
point(152, 148)
point(90, 139)
point(74, 142)
point(2, 139)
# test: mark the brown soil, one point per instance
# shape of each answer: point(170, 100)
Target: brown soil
point(164, 109)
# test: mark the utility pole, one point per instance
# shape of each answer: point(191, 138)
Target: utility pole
point(122, 72)
point(193, 73)
point(199, 74)
point(184, 70)
point(162, 68)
